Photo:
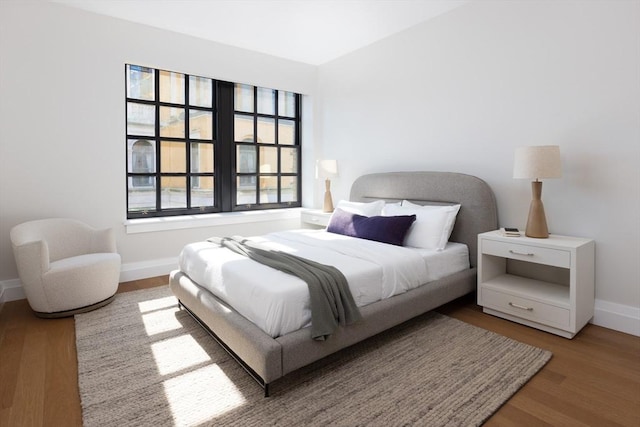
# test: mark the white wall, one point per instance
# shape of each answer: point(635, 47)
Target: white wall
point(461, 92)
point(62, 117)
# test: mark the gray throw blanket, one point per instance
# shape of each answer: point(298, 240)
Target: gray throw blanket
point(331, 301)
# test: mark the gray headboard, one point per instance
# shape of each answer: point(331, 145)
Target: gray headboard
point(478, 211)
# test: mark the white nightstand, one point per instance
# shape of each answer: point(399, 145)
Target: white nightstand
point(548, 284)
point(315, 217)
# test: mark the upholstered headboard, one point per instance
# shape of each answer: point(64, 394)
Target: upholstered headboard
point(477, 213)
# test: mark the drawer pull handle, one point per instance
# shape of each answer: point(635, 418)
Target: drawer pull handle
point(522, 307)
point(511, 251)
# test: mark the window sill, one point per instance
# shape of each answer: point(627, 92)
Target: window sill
point(147, 225)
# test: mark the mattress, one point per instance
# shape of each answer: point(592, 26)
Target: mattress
point(278, 303)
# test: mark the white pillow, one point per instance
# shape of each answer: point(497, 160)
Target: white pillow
point(389, 206)
point(364, 209)
point(433, 225)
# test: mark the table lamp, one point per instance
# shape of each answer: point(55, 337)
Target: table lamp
point(537, 162)
point(327, 169)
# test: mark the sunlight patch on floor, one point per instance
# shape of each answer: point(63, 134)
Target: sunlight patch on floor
point(201, 395)
point(161, 321)
point(158, 315)
point(176, 354)
point(197, 390)
point(157, 304)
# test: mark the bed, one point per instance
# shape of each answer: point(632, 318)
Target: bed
point(270, 356)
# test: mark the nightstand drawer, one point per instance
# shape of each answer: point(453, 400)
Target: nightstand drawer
point(529, 253)
point(526, 308)
point(315, 217)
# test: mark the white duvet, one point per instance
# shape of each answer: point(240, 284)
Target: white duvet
point(278, 303)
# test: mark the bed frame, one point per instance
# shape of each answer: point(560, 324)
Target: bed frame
point(267, 359)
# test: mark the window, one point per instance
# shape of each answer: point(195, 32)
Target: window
point(198, 145)
point(266, 146)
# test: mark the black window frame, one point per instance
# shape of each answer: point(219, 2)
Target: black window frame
point(224, 175)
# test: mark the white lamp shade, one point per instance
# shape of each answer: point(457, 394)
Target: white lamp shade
point(326, 168)
point(542, 161)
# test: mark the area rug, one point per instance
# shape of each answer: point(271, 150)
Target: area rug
point(144, 362)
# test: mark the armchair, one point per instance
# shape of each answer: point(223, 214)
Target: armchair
point(65, 266)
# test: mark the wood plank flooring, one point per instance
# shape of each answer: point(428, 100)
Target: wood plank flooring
point(591, 380)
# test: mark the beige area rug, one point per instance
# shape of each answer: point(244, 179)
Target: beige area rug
point(144, 362)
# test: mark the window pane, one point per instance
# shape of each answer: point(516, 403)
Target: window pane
point(266, 130)
point(171, 87)
point(289, 160)
point(172, 122)
point(286, 132)
point(173, 192)
point(286, 104)
point(200, 91)
point(246, 159)
point(141, 156)
point(202, 158)
point(200, 124)
point(246, 194)
point(142, 198)
point(269, 189)
point(268, 160)
point(142, 182)
point(173, 157)
point(141, 119)
point(140, 82)
point(243, 128)
point(243, 98)
point(289, 189)
point(201, 191)
point(266, 101)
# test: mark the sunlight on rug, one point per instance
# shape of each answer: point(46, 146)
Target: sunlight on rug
point(179, 353)
point(158, 317)
point(195, 388)
point(189, 395)
point(201, 395)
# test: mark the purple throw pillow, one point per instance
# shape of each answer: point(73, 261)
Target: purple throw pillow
point(385, 229)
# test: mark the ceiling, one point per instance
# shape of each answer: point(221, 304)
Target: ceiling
point(309, 31)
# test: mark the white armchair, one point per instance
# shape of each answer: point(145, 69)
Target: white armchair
point(65, 266)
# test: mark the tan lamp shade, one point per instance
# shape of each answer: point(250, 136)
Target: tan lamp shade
point(536, 162)
point(327, 169)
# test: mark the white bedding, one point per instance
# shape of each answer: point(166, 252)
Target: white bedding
point(278, 303)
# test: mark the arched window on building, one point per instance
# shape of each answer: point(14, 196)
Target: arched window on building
point(143, 160)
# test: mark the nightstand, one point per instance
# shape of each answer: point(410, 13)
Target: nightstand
point(547, 284)
point(315, 217)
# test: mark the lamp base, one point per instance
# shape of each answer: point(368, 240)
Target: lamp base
point(537, 221)
point(328, 202)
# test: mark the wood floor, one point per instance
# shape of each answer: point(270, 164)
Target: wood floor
point(592, 380)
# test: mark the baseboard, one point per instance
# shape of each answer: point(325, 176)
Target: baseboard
point(11, 290)
point(146, 269)
point(623, 318)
